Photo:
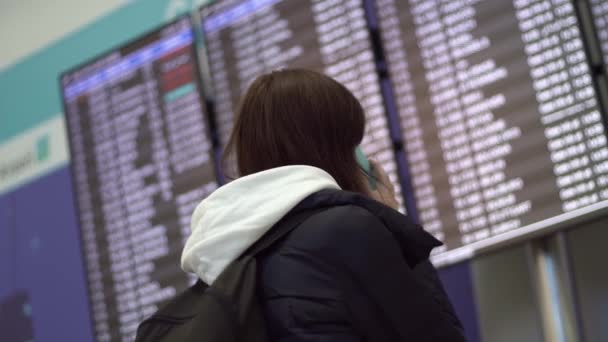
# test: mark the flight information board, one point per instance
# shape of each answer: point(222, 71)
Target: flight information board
point(247, 38)
point(141, 160)
point(599, 11)
point(498, 114)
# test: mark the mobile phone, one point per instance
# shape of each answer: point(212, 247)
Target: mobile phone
point(366, 166)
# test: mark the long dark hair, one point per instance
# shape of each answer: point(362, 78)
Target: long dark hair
point(298, 117)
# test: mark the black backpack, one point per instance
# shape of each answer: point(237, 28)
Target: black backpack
point(226, 311)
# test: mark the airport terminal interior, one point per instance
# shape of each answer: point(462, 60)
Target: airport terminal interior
point(489, 117)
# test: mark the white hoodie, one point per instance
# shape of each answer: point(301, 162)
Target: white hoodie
point(236, 215)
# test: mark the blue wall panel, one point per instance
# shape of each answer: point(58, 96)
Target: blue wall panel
point(459, 286)
point(49, 262)
point(7, 249)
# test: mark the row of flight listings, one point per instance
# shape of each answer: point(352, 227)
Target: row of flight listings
point(495, 103)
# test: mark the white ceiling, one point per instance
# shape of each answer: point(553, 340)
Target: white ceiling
point(29, 25)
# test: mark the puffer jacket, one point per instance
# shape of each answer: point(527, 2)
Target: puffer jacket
point(355, 271)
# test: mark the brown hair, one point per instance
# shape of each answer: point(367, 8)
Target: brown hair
point(299, 117)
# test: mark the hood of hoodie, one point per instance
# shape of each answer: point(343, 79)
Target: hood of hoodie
point(236, 215)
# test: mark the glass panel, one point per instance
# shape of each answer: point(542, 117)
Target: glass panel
point(588, 259)
point(505, 297)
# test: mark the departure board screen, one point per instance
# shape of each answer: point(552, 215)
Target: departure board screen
point(599, 10)
point(499, 117)
point(141, 160)
point(247, 38)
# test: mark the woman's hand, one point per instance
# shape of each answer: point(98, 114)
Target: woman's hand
point(385, 191)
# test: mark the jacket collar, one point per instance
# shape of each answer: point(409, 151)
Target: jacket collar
point(416, 244)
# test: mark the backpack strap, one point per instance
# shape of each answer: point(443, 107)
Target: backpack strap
point(286, 225)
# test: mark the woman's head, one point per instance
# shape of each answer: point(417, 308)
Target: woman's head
point(299, 117)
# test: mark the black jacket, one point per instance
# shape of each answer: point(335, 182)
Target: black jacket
point(356, 271)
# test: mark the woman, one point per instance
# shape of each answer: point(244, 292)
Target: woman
point(357, 270)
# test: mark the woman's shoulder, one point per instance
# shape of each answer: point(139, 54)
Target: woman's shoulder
point(337, 227)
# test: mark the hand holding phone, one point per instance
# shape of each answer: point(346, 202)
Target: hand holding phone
point(366, 166)
point(382, 189)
